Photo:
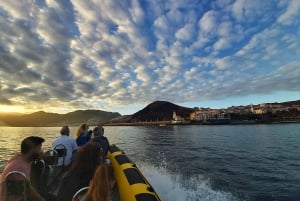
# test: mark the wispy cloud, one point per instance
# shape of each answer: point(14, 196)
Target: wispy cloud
point(84, 54)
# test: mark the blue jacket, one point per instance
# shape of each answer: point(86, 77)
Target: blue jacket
point(82, 139)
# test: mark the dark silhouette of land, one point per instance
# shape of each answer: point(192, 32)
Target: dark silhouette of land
point(163, 113)
point(160, 111)
point(41, 118)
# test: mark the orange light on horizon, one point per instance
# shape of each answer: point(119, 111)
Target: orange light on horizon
point(13, 109)
point(35, 108)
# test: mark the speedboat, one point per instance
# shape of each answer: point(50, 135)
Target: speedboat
point(131, 183)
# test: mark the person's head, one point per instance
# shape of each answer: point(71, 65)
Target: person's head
point(83, 128)
point(65, 130)
point(87, 159)
point(31, 147)
point(98, 131)
point(102, 183)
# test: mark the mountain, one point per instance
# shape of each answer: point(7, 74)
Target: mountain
point(160, 111)
point(53, 119)
point(289, 103)
point(121, 119)
point(89, 116)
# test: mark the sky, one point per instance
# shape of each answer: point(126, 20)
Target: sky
point(65, 55)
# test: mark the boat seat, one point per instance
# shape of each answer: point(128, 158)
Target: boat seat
point(61, 153)
point(55, 172)
point(37, 174)
point(79, 195)
point(61, 150)
point(51, 157)
point(16, 186)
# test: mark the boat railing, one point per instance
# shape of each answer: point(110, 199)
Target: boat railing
point(16, 186)
point(80, 194)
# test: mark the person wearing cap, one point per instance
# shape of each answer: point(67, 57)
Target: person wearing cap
point(21, 162)
point(69, 143)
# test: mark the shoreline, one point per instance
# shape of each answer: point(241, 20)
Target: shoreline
point(168, 123)
point(164, 123)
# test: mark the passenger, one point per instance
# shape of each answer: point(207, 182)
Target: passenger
point(82, 135)
point(69, 143)
point(81, 171)
point(102, 184)
point(30, 150)
point(102, 141)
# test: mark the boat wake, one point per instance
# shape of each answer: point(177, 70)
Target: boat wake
point(175, 188)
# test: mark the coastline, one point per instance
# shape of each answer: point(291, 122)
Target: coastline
point(168, 123)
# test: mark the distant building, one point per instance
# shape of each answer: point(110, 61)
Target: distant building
point(176, 118)
point(239, 110)
point(204, 114)
point(278, 108)
point(296, 107)
point(208, 114)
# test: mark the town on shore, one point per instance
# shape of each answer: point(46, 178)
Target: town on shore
point(249, 114)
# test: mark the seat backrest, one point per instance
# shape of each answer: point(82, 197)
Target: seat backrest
point(61, 152)
point(51, 157)
point(16, 186)
point(37, 172)
point(80, 194)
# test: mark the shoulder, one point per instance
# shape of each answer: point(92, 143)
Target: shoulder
point(96, 138)
point(80, 137)
point(17, 164)
point(71, 139)
point(68, 141)
point(58, 140)
point(105, 138)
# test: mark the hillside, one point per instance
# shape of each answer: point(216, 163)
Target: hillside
point(53, 119)
point(160, 111)
point(289, 103)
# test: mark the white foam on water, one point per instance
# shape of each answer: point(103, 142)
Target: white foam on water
point(175, 188)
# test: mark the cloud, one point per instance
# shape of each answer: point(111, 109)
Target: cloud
point(83, 54)
point(291, 12)
point(249, 10)
point(208, 22)
point(5, 101)
point(142, 74)
point(223, 63)
point(185, 33)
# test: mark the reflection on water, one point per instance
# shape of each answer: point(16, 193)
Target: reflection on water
point(11, 138)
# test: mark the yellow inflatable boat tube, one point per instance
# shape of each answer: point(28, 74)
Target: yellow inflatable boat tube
point(132, 185)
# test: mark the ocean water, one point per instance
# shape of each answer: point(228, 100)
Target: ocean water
point(193, 163)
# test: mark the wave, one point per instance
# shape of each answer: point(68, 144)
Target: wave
point(172, 187)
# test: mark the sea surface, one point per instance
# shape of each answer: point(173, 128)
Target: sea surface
point(193, 163)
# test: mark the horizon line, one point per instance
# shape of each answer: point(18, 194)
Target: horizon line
point(25, 113)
